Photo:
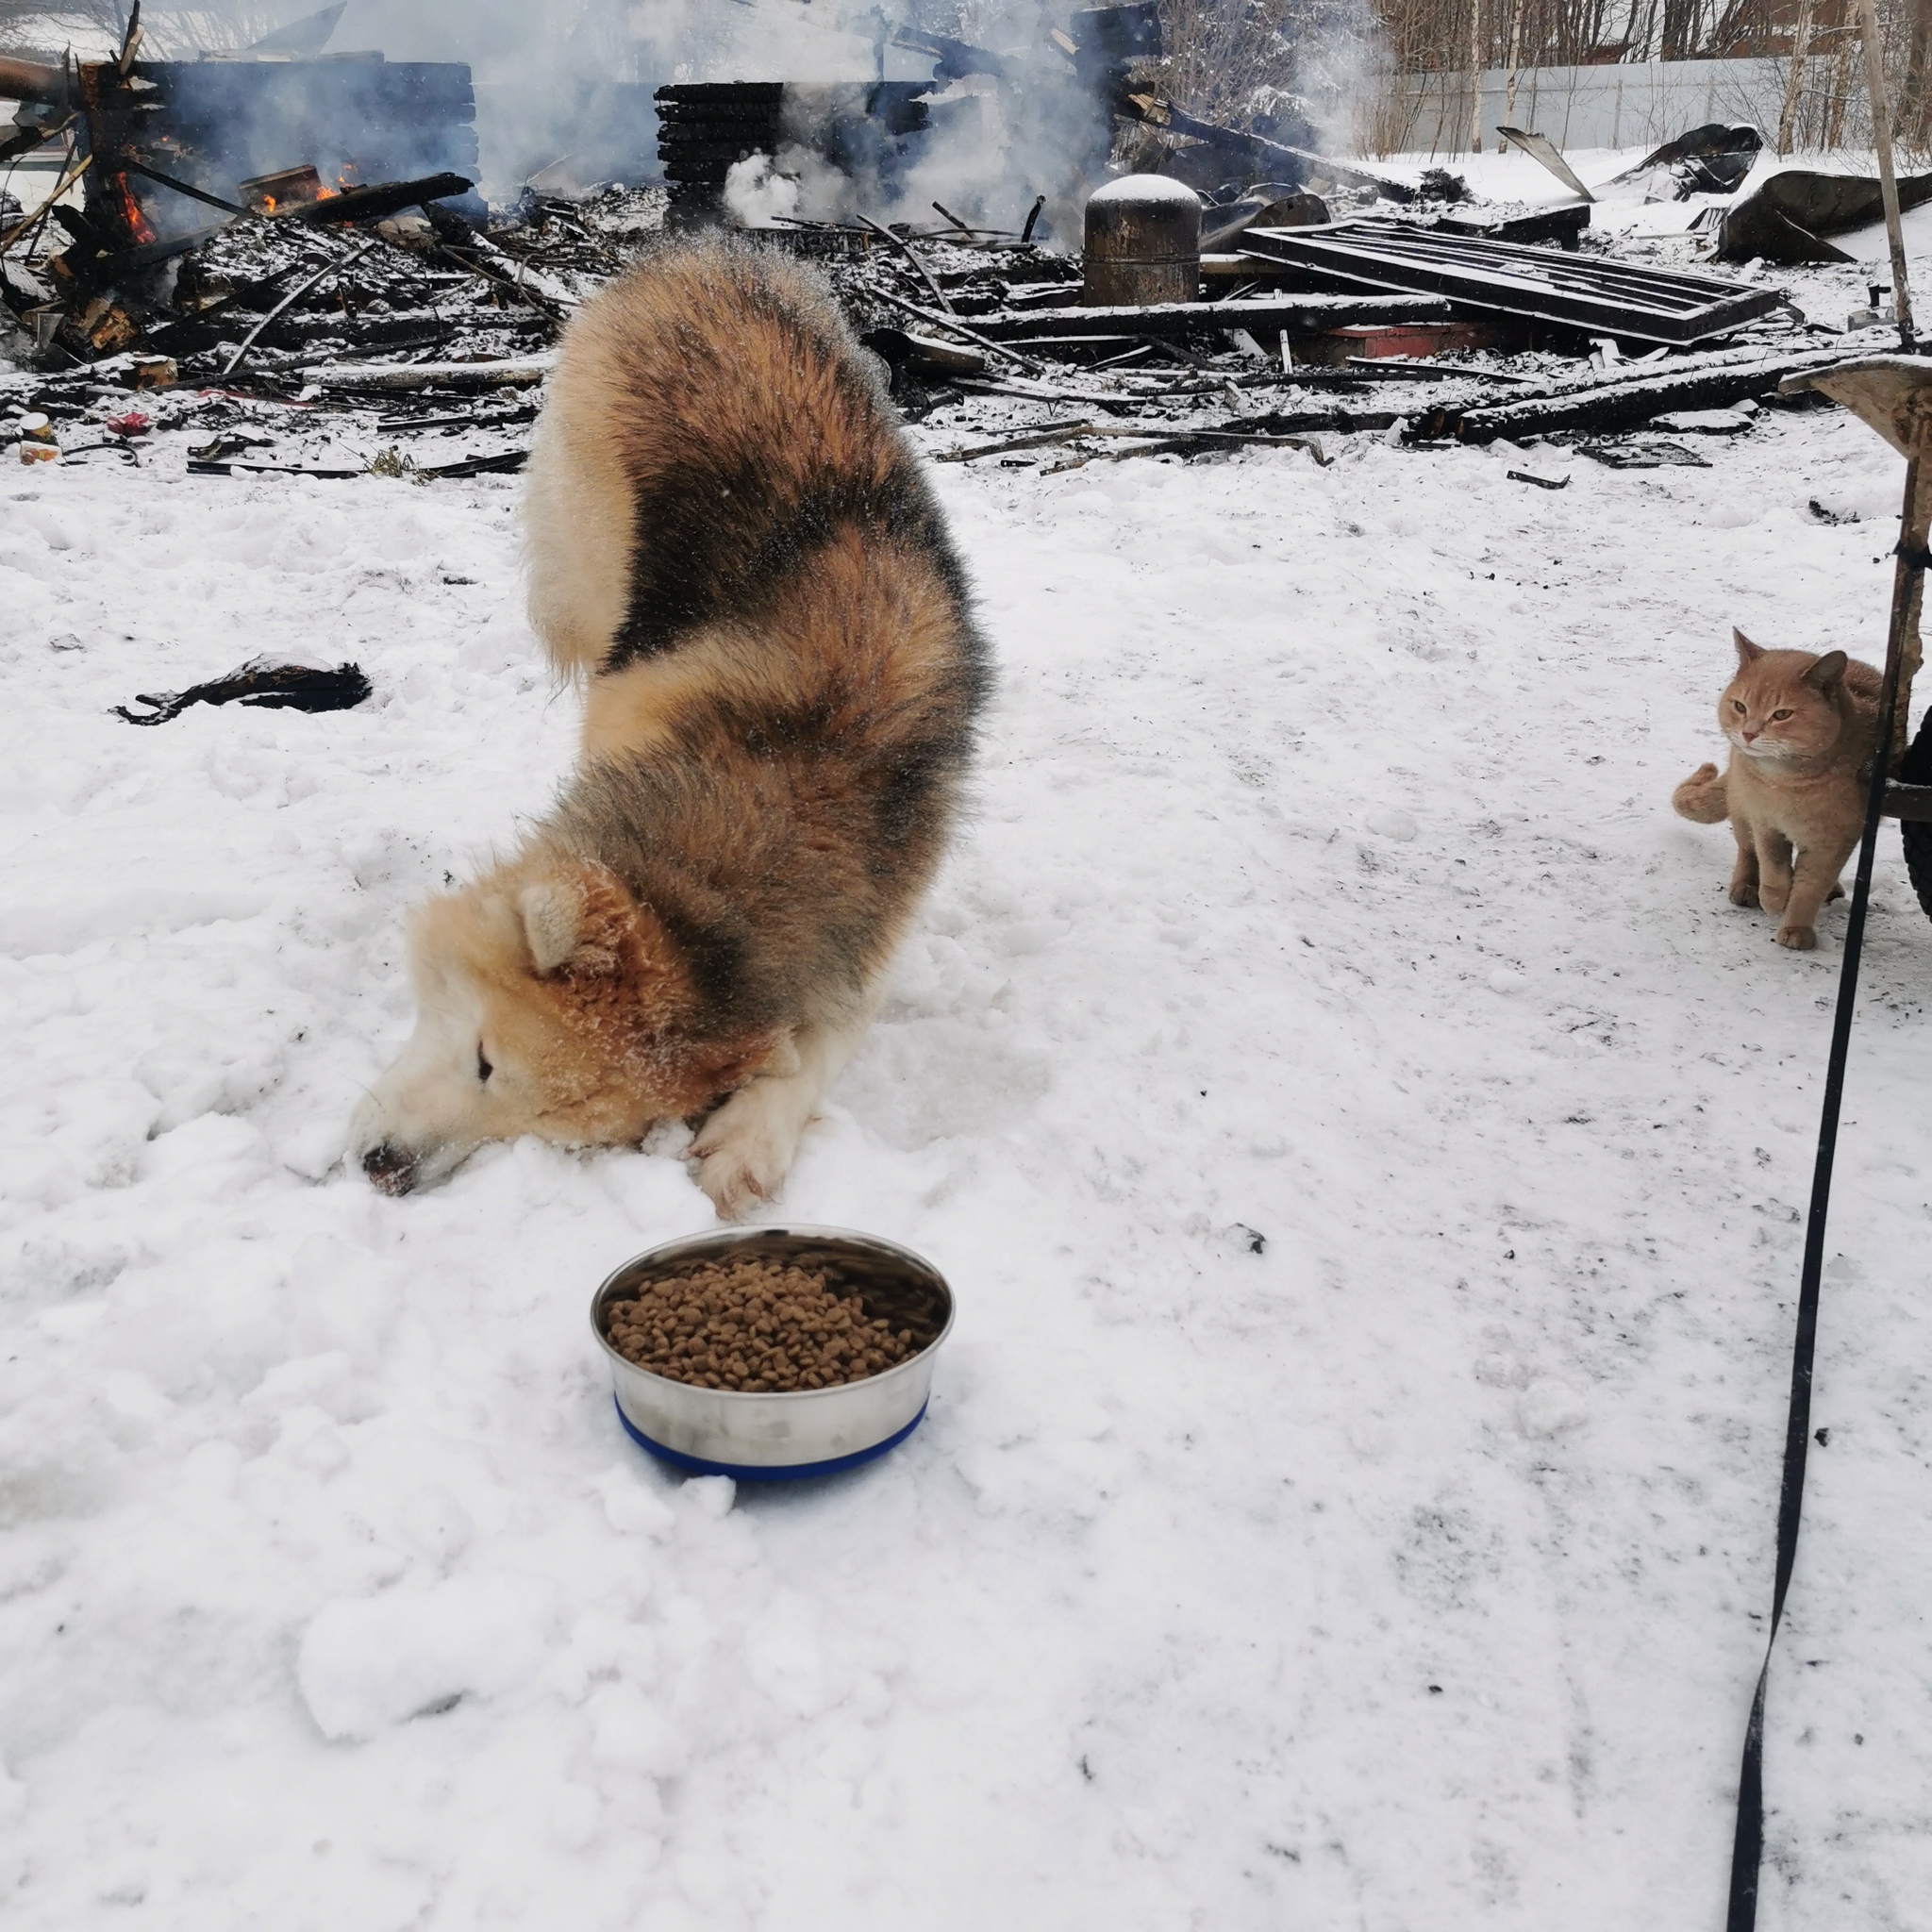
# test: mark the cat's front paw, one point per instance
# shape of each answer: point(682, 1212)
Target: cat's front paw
point(1801, 938)
point(1744, 896)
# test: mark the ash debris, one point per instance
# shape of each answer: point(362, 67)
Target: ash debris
point(287, 256)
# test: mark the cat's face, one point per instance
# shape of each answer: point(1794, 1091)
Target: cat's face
point(1782, 704)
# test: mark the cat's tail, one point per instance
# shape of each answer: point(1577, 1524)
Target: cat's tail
point(1701, 797)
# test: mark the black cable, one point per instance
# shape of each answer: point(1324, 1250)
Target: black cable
point(1747, 1850)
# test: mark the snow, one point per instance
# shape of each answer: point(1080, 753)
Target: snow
point(367, 1663)
point(1368, 1150)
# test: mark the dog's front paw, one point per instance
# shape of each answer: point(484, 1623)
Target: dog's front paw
point(1744, 896)
point(744, 1153)
point(1801, 938)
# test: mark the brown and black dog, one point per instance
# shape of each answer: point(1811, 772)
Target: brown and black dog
point(732, 550)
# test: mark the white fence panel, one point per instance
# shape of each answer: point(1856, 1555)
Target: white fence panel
point(1628, 105)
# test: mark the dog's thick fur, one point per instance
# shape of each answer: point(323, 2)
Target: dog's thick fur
point(732, 551)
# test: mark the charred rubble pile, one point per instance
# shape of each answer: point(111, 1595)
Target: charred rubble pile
point(319, 318)
point(1419, 319)
point(305, 276)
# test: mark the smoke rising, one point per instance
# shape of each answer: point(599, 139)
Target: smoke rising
point(571, 81)
point(556, 77)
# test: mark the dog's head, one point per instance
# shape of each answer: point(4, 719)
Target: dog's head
point(548, 1002)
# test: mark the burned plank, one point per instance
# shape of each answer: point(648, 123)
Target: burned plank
point(524, 373)
point(1359, 372)
point(922, 354)
point(1340, 417)
point(380, 198)
point(321, 274)
point(1560, 226)
point(953, 325)
point(1591, 294)
point(504, 462)
point(1172, 321)
point(1627, 403)
point(202, 466)
point(1283, 163)
point(475, 419)
point(1186, 441)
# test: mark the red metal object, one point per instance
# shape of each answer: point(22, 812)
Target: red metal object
point(1377, 340)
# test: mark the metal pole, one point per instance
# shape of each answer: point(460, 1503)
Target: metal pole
point(1888, 182)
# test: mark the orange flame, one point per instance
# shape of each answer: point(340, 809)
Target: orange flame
point(134, 224)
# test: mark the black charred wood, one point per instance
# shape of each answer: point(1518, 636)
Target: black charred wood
point(504, 463)
point(261, 682)
point(381, 198)
point(1174, 320)
point(1562, 226)
point(1628, 404)
point(31, 80)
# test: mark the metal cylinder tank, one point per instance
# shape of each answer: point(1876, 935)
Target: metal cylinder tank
point(1144, 242)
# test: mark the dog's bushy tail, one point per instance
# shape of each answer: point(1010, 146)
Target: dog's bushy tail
point(1701, 797)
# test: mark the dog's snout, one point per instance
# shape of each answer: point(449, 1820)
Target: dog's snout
point(389, 1168)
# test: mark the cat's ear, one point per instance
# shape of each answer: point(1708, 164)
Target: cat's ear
point(1827, 671)
point(1748, 653)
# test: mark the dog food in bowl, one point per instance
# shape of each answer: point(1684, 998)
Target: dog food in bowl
point(758, 1324)
point(756, 1353)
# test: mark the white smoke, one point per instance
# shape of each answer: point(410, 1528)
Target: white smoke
point(755, 197)
point(542, 69)
point(563, 79)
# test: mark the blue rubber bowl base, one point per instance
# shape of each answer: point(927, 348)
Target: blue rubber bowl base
point(762, 1472)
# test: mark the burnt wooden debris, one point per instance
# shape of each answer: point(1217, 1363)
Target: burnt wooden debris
point(1603, 407)
point(1294, 315)
point(263, 683)
point(316, 289)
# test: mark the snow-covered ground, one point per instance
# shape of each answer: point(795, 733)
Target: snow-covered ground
point(1406, 1571)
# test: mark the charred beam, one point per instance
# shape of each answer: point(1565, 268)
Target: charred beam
point(1608, 406)
point(380, 198)
point(31, 80)
point(1174, 321)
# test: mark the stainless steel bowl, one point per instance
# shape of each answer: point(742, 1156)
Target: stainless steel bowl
point(765, 1438)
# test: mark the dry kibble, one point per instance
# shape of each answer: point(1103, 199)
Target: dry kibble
point(755, 1325)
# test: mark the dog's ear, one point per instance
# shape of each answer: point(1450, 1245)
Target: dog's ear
point(552, 915)
point(575, 923)
point(1827, 671)
point(1748, 653)
point(562, 929)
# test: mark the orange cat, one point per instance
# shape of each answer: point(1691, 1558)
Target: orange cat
point(1802, 732)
